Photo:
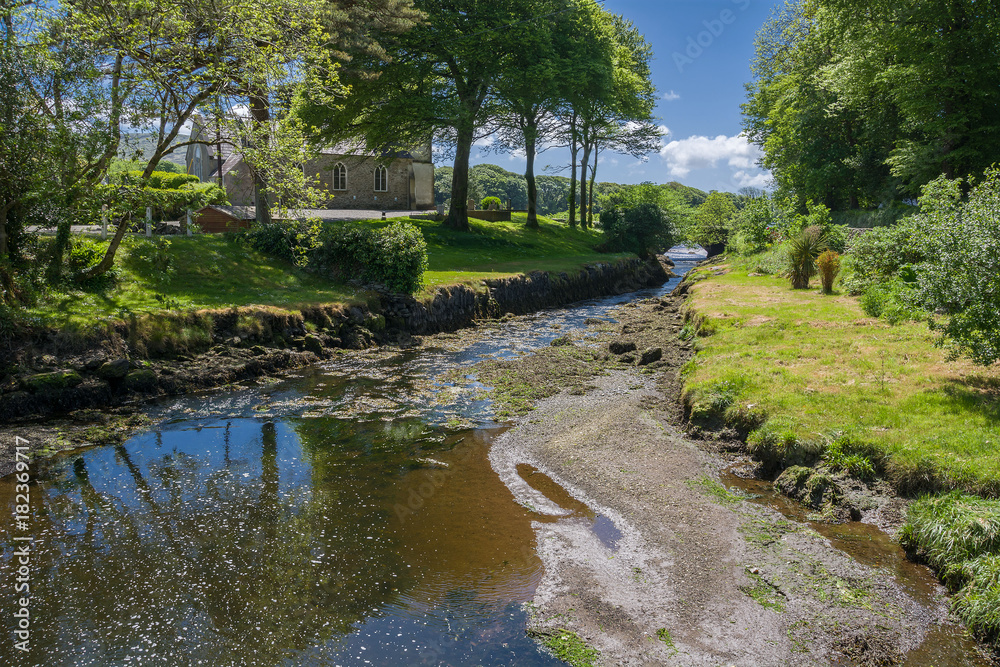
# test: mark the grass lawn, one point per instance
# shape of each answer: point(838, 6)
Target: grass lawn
point(212, 271)
point(817, 368)
point(206, 271)
point(498, 249)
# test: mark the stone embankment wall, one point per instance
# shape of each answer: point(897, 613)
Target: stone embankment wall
point(176, 353)
point(459, 306)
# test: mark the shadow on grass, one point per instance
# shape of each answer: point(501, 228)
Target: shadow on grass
point(976, 394)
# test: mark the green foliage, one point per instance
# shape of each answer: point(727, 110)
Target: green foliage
point(959, 536)
point(158, 180)
point(828, 264)
point(152, 257)
point(85, 252)
point(713, 221)
point(858, 104)
point(393, 255)
point(881, 253)
point(802, 253)
point(644, 229)
point(757, 226)
point(893, 300)
point(487, 201)
point(960, 274)
point(643, 219)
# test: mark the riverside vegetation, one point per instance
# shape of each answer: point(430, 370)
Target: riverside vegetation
point(890, 376)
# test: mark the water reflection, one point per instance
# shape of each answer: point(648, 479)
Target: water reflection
point(336, 518)
point(270, 541)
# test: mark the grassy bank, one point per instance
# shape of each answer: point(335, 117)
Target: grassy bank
point(809, 378)
point(213, 271)
point(499, 249)
point(801, 372)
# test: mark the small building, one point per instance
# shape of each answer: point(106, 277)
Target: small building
point(216, 219)
point(402, 181)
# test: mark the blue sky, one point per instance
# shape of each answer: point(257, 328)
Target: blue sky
point(702, 51)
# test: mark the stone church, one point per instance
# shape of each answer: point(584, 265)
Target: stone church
point(400, 182)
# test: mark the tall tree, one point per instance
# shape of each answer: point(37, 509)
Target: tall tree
point(436, 79)
point(529, 92)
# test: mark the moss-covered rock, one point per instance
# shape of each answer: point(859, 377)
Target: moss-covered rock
point(45, 383)
point(313, 344)
point(818, 490)
point(621, 346)
point(143, 381)
point(114, 370)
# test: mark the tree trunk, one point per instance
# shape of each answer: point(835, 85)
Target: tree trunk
point(572, 173)
point(260, 111)
point(3, 232)
point(458, 216)
point(593, 177)
point(529, 176)
point(109, 256)
point(583, 185)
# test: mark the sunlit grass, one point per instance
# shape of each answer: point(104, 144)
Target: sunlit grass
point(818, 367)
point(214, 271)
point(207, 271)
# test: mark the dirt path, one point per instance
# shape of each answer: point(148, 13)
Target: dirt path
point(698, 576)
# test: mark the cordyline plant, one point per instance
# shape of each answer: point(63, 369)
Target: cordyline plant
point(802, 253)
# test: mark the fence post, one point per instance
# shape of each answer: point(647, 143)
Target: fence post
point(104, 222)
point(149, 221)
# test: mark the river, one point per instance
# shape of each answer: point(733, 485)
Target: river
point(347, 514)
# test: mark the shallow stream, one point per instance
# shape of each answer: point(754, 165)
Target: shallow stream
point(347, 515)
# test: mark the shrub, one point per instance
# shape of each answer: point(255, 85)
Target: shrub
point(395, 256)
point(880, 254)
point(960, 275)
point(802, 252)
point(828, 264)
point(713, 222)
point(84, 253)
point(643, 228)
point(893, 301)
point(756, 227)
point(160, 180)
point(485, 204)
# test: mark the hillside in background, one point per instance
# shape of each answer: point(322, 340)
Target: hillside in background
point(489, 180)
point(140, 147)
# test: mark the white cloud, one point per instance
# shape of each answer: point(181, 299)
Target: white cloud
point(671, 96)
point(745, 179)
point(699, 152)
point(485, 142)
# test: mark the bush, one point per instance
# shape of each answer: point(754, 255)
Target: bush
point(802, 253)
point(160, 180)
point(828, 264)
point(960, 274)
point(756, 227)
point(894, 301)
point(880, 254)
point(85, 253)
point(394, 256)
point(643, 229)
point(485, 204)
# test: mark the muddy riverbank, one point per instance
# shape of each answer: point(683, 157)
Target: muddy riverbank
point(700, 574)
